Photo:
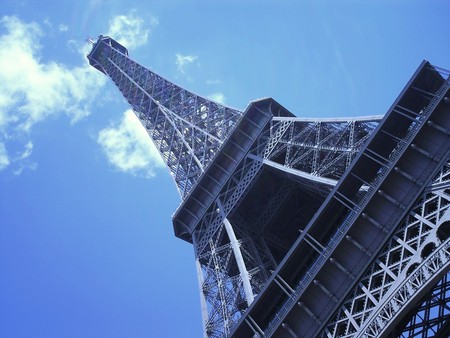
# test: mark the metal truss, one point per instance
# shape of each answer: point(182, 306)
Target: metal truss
point(221, 284)
point(186, 128)
point(322, 147)
point(431, 318)
point(409, 264)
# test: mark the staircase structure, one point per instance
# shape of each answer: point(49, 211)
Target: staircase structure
point(306, 227)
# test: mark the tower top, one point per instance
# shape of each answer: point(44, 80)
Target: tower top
point(100, 51)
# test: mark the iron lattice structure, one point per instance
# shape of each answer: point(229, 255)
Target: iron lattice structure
point(306, 227)
point(187, 129)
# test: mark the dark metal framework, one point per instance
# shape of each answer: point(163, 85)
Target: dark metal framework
point(431, 317)
point(306, 227)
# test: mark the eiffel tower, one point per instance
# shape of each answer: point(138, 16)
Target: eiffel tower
point(306, 227)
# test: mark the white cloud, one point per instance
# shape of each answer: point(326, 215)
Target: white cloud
point(27, 152)
point(130, 30)
point(217, 97)
point(32, 90)
point(48, 23)
point(129, 148)
point(4, 160)
point(22, 161)
point(183, 60)
point(63, 28)
point(82, 47)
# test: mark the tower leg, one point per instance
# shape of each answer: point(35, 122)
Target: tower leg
point(240, 262)
point(203, 306)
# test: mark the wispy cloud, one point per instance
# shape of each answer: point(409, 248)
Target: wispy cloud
point(4, 159)
point(63, 28)
point(20, 160)
point(23, 161)
point(27, 151)
point(218, 97)
point(182, 61)
point(129, 148)
point(130, 30)
point(32, 90)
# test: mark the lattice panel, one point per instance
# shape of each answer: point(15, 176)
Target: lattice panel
point(323, 148)
point(421, 232)
point(432, 317)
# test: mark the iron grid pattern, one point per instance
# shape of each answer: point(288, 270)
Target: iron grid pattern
point(432, 317)
point(416, 253)
point(322, 148)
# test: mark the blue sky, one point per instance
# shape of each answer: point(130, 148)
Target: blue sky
point(86, 241)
